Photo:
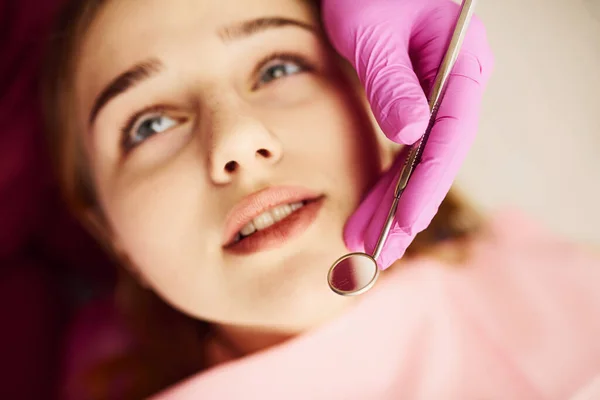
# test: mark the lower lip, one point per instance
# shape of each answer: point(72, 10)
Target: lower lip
point(279, 233)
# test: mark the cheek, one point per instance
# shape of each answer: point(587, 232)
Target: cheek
point(334, 132)
point(353, 131)
point(163, 222)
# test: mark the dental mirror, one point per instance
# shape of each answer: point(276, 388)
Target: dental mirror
point(356, 273)
point(353, 274)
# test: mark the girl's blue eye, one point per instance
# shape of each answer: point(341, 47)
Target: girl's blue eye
point(278, 71)
point(150, 126)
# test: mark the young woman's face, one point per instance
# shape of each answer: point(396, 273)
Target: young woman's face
point(222, 101)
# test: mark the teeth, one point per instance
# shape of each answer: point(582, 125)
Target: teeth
point(248, 229)
point(267, 219)
point(263, 221)
point(281, 212)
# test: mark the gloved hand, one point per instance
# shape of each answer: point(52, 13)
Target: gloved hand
point(396, 47)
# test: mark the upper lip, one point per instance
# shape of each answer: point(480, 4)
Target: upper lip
point(255, 204)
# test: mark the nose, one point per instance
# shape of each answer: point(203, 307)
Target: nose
point(242, 145)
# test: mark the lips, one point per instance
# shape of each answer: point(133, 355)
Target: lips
point(252, 210)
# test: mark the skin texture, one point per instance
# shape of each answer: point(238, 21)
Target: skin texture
point(166, 200)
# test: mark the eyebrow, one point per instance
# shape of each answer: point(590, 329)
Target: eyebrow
point(144, 70)
point(124, 82)
point(247, 28)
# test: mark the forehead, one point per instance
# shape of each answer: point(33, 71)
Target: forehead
point(125, 32)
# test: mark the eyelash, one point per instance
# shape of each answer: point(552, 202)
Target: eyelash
point(263, 66)
point(137, 119)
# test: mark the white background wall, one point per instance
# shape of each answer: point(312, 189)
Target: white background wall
point(539, 140)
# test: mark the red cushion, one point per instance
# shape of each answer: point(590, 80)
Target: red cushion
point(29, 210)
point(32, 221)
point(32, 319)
point(23, 172)
point(96, 335)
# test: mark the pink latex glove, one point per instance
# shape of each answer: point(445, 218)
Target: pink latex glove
point(396, 47)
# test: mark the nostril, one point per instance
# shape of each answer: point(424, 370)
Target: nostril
point(231, 166)
point(264, 153)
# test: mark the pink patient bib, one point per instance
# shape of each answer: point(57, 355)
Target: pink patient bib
point(520, 320)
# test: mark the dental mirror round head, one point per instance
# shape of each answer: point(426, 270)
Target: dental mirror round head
point(353, 274)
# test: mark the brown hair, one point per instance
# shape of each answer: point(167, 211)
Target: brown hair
point(168, 343)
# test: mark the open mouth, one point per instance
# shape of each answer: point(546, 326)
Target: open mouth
point(267, 219)
point(273, 225)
